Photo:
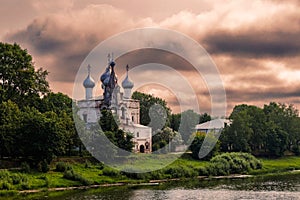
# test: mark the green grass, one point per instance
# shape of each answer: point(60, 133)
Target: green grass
point(278, 165)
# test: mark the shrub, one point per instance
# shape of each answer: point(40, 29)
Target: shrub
point(87, 164)
point(5, 185)
point(202, 171)
point(62, 167)
point(100, 166)
point(18, 178)
point(140, 176)
point(198, 143)
point(25, 167)
point(158, 174)
point(180, 171)
point(25, 186)
point(4, 174)
point(230, 163)
point(71, 175)
point(110, 172)
point(43, 166)
point(219, 166)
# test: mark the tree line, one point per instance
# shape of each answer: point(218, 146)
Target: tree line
point(269, 131)
point(35, 123)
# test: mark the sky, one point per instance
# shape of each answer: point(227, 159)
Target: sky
point(255, 44)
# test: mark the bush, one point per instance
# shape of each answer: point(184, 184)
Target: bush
point(43, 166)
point(231, 163)
point(180, 171)
point(4, 174)
point(198, 143)
point(87, 164)
point(139, 176)
point(71, 175)
point(5, 185)
point(18, 179)
point(25, 167)
point(156, 175)
point(110, 172)
point(202, 171)
point(62, 167)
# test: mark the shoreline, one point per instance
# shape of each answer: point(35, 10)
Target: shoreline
point(149, 183)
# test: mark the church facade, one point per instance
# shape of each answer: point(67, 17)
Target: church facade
point(118, 100)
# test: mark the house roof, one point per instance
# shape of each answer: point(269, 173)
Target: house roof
point(213, 124)
point(136, 126)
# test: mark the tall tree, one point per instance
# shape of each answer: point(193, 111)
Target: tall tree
point(197, 144)
point(147, 102)
point(110, 128)
point(175, 121)
point(19, 82)
point(10, 120)
point(189, 119)
point(204, 118)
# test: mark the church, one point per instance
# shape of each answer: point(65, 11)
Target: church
point(118, 100)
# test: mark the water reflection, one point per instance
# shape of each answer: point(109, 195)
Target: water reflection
point(272, 187)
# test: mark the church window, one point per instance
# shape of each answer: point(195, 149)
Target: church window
point(84, 118)
point(123, 113)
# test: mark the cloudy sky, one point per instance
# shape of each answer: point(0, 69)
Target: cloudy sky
point(254, 44)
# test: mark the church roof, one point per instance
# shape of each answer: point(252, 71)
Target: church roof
point(89, 81)
point(213, 124)
point(127, 83)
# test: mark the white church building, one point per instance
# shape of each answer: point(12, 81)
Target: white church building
point(125, 109)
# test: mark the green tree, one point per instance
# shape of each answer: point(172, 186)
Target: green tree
point(189, 119)
point(19, 82)
point(236, 137)
point(175, 121)
point(204, 118)
point(146, 102)
point(118, 137)
point(108, 122)
point(10, 118)
point(56, 102)
point(165, 137)
point(61, 104)
point(197, 143)
point(285, 117)
point(43, 137)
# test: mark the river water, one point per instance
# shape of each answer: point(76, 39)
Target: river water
point(271, 187)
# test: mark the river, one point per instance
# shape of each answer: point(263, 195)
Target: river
point(271, 187)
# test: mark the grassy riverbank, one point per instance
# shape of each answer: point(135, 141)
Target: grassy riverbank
point(85, 171)
point(278, 165)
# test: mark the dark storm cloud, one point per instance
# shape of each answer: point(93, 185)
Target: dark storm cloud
point(258, 94)
point(150, 55)
point(60, 49)
point(254, 43)
point(262, 79)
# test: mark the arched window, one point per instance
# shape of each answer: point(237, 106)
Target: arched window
point(132, 117)
point(84, 118)
point(123, 113)
point(137, 134)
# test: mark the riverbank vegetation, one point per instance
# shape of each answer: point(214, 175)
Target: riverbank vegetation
point(69, 172)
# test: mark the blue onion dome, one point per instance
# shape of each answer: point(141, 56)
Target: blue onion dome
point(127, 83)
point(89, 81)
point(106, 81)
point(105, 75)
